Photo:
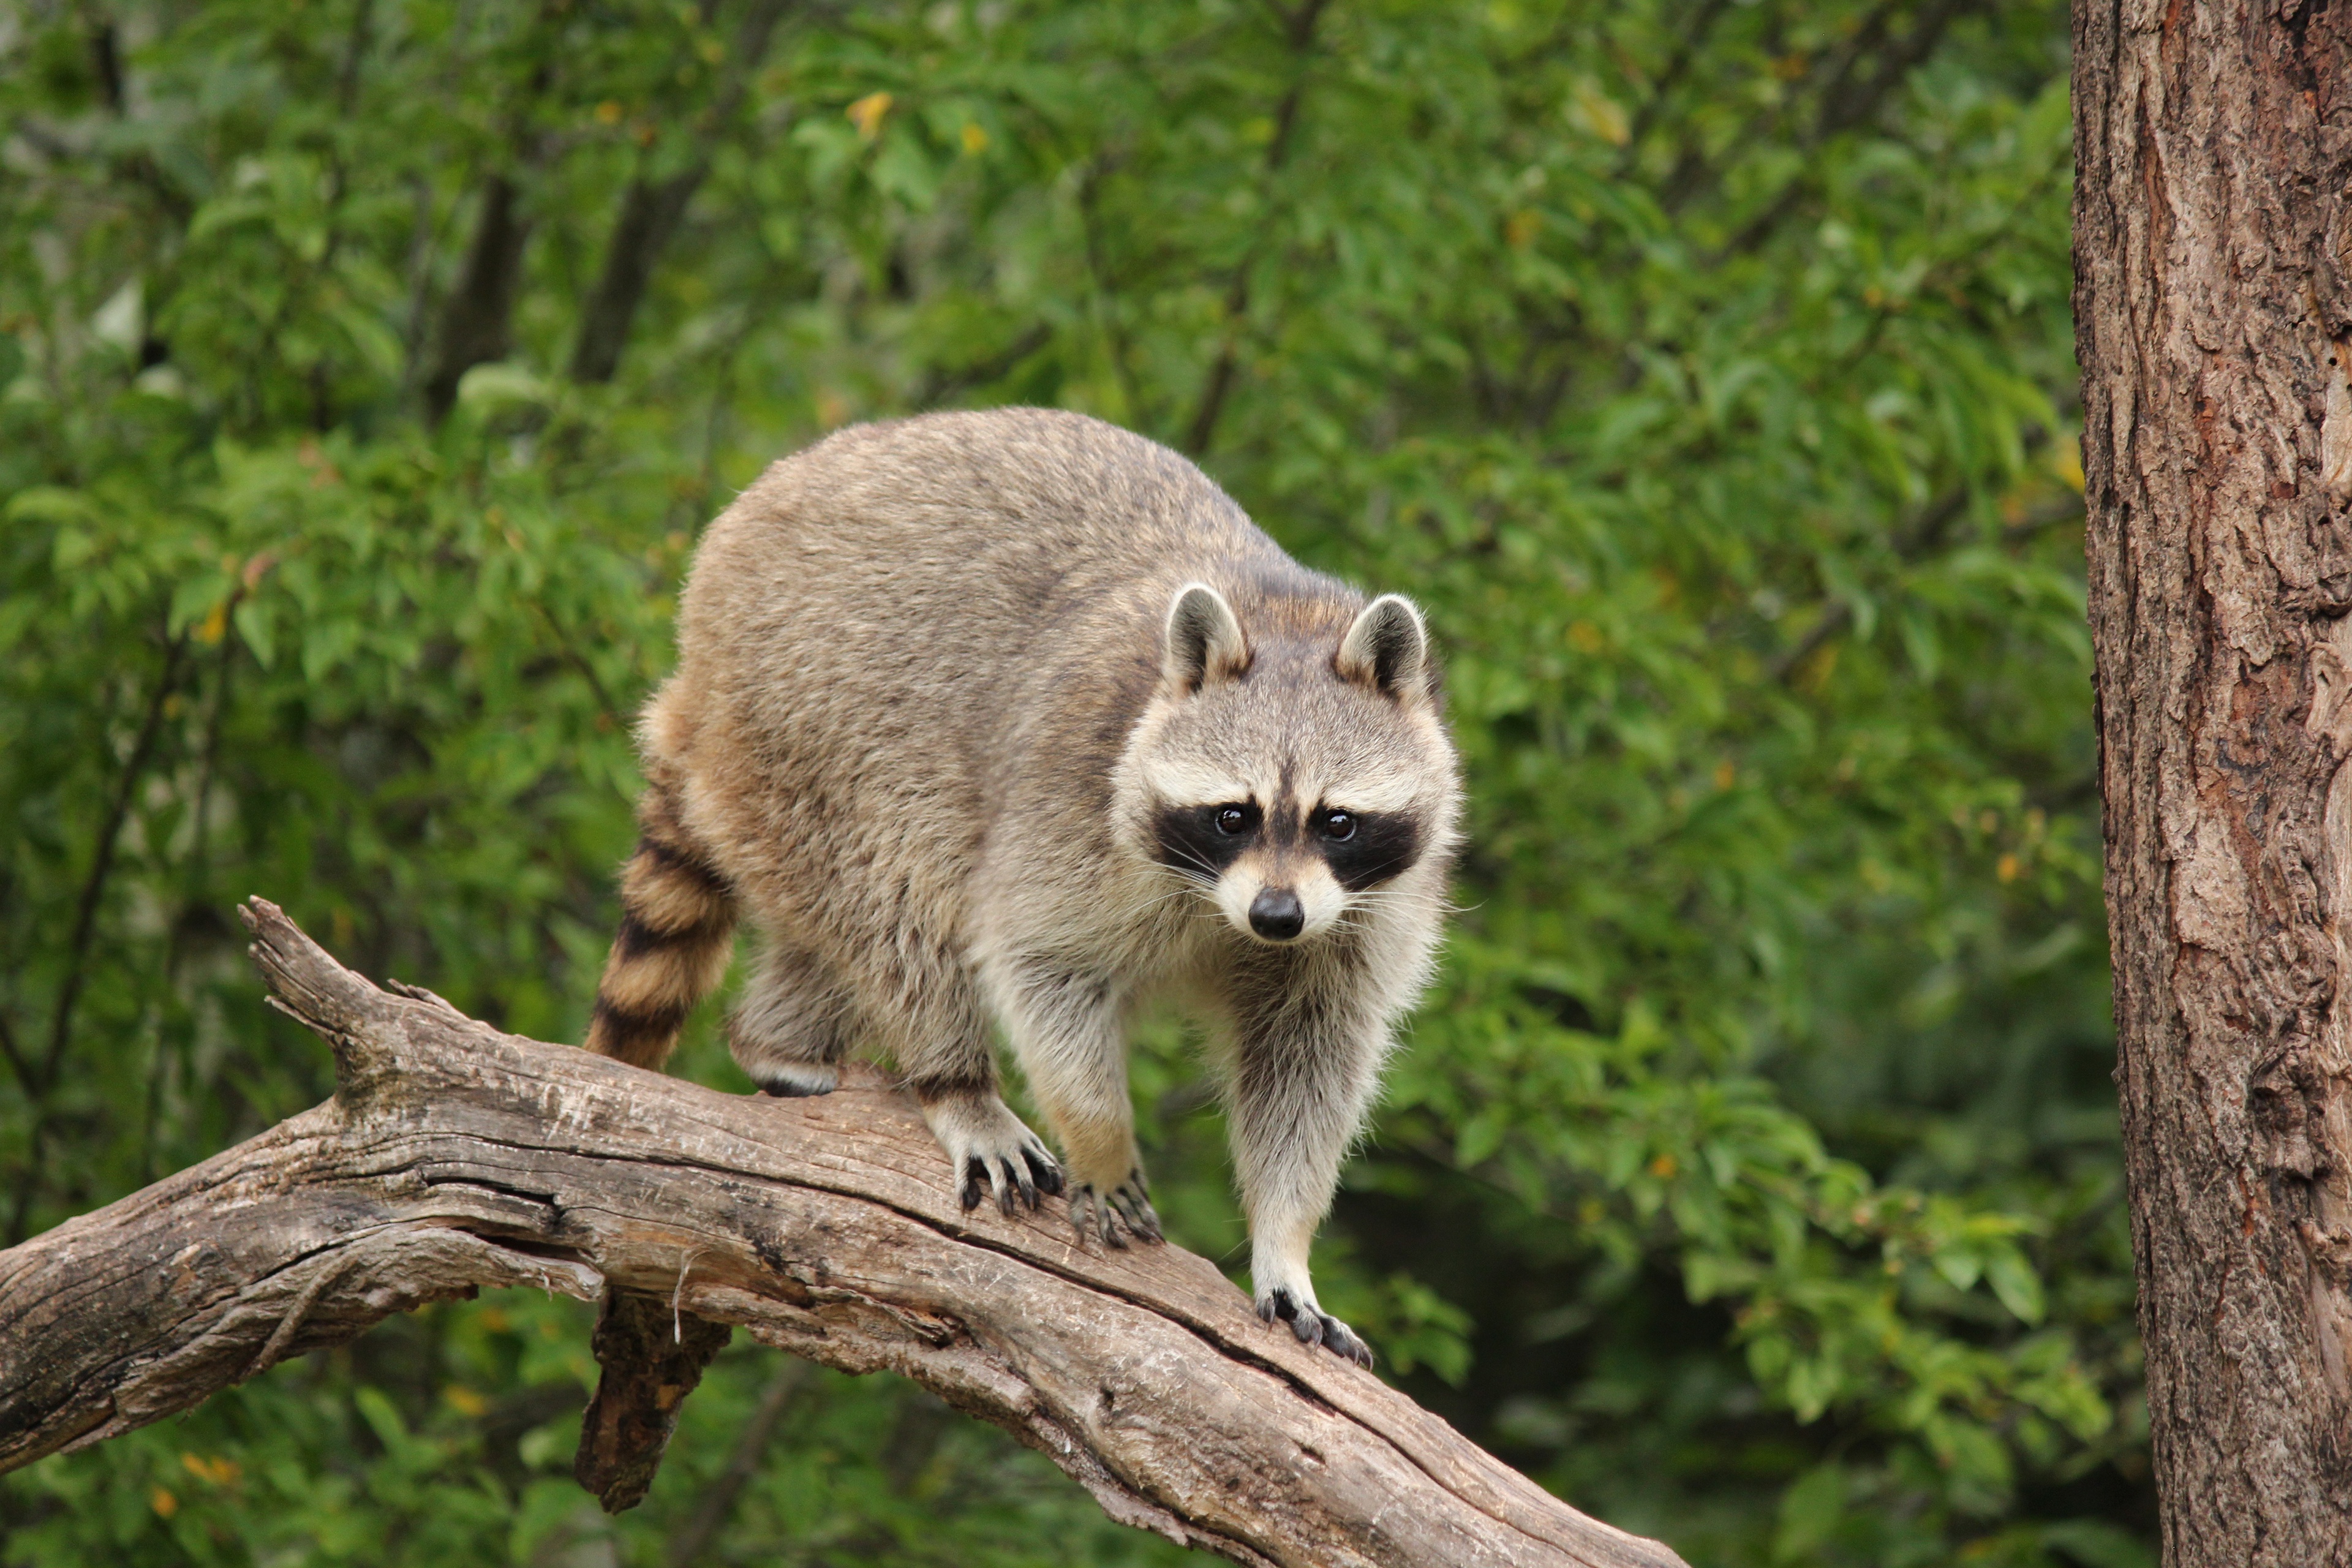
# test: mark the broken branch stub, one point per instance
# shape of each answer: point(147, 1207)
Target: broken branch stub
point(453, 1157)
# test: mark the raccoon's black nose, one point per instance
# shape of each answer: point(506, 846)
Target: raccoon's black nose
point(1277, 914)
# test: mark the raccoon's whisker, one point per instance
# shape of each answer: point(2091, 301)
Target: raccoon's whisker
point(1145, 905)
point(1153, 900)
point(1193, 864)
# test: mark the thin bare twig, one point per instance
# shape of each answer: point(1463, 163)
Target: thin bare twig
point(85, 928)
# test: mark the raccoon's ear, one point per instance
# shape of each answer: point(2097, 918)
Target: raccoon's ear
point(1205, 640)
point(1387, 649)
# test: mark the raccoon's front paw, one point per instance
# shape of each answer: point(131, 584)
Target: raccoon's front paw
point(991, 1151)
point(1125, 1210)
point(1314, 1326)
point(797, 1080)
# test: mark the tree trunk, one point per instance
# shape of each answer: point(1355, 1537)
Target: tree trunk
point(477, 318)
point(453, 1157)
point(2213, 145)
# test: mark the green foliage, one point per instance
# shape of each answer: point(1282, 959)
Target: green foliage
point(1704, 370)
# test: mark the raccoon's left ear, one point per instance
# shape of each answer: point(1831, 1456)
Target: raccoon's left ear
point(1204, 641)
point(1387, 649)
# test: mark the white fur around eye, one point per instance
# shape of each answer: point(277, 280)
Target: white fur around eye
point(1373, 795)
point(1178, 783)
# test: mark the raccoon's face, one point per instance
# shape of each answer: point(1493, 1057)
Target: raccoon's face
point(1295, 779)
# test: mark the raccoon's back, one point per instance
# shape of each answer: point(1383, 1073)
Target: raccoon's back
point(886, 621)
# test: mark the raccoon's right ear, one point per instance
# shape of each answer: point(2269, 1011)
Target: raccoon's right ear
point(1205, 640)
point(1387, 649)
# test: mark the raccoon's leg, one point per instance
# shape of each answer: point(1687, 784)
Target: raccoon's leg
point(927, 1008)
point(790, 1030)
point(1303, 1077)
point(677, 922)
point(1065, 1028)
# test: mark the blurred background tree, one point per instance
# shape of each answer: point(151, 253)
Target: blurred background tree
point(367, 367)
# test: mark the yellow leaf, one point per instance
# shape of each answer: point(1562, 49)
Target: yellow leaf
point(221, 1472)
point(2010, 869)
point(216, 625)
point(975, 140)
point(866, 114)
point(2067, 462)
point(164, 1504)
point(1519, 229)
point(1602, 115)
point(464, 1400)
point(608, 113)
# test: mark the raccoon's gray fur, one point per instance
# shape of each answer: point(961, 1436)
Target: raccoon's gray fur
point(1016, 717)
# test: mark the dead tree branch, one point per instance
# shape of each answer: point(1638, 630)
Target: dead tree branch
point(453, 1157)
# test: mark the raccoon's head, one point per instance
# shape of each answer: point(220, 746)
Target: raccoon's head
point(1296, 770)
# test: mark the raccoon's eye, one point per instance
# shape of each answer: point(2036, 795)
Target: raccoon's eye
point(1337, 826)
point(1236, 818)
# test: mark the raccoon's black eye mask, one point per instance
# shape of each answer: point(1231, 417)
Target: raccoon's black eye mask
point(1363, 848)
point(1384, 843)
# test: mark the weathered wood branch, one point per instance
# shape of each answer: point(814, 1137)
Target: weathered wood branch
point(453, 1157)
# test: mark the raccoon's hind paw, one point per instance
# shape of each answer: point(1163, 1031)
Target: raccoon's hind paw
point(797, 1080)
point(1126, 1208)
point(1314, 1326)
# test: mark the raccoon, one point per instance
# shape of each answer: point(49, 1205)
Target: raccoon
point(1014, 717)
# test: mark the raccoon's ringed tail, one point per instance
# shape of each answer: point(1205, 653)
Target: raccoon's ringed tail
point(678, 917)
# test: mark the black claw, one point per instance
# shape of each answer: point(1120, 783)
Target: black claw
point(1041, 1166)
point(1308, 1327)
point(1016, 1188)
point(975, 1183)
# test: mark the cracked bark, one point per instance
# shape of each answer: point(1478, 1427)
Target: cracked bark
point(453, 1157)
point(2214, 151)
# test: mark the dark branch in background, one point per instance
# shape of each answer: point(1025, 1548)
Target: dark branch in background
point(476, 319)
point(1687, 47)
point(1298, 31)
point(943, 382)
point(16, 1062)
point(1101, 287)
point(1845, 104)
point(42, 1087)
point(650, 211)
point(455, 1158)
point(1918, 539)
point(710, 1514)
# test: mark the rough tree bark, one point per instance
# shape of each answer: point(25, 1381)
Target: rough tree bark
point(453, 1157)
point(2213, 145)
